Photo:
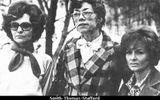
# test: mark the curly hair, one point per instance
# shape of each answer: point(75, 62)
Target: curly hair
point(97, 5)
point(17, 10)
point(148, 36)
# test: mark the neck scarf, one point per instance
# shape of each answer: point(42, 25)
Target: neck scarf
point(18, 58)
point(87, 49)
point(135, 89)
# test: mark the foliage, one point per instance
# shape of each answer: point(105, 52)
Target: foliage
point(135, 10)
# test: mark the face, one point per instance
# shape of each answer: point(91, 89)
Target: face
point(84, 18)
point(21, 29)
point(137, 57)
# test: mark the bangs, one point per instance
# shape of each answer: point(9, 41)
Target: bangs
point(131, 39)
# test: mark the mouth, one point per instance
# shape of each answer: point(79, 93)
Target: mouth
point(19, 36)
point(82, 24)
point(134, 64)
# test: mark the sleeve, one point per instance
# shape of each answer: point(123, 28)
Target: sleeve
point(57, 87)
point(45, 62)
point(118, 71)
point(114, 73)
point(58, 84)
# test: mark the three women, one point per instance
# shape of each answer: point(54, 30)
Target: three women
point(23, 70)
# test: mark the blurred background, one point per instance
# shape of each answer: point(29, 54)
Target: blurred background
point(121, 15)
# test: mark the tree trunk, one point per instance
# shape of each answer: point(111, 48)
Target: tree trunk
point(50, 28)
point(41, 5)
point(60, 46)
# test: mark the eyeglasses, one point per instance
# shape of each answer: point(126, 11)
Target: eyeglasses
point(85, 14)
point(25, 26)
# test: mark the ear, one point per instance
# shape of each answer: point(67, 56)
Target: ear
point(99, 21)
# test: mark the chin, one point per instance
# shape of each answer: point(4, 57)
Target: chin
point(83, 30)
point(20, 41)
point(136, 69)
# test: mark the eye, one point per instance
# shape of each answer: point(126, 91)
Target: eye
point(128, 51)
point(76, 14)
point(87, 13)
point(14, 25)
point(140, 52)
point(26, 25)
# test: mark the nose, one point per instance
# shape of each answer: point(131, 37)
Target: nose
point(133, 56)
point(81, 17)
point(19, 30)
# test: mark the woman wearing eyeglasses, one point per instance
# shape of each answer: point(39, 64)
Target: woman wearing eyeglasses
point(140, 51)
point(88, 65)
point(22, 70)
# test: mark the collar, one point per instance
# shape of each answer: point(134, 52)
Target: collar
point(154, 77)
point(152, 84)
point(88, 49)
point(132, 81)
point(106, 42)
point(94, 45)
point(143, 80)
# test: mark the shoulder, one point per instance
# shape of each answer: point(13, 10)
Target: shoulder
point(44, 61)
point(42, 56)
point(154, 79)
point(115, 65)
point(5, 47)
point(70, 43)
point(108, 42)
point(154, 76)
point(67, 47)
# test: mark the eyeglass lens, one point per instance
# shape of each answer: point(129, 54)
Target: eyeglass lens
point(85, 14)
point(25, 26)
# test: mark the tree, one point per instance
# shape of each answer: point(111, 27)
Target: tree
point(141, 11)
point(50, 20)
point(65, 32)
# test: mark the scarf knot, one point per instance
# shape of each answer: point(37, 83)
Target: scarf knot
point(18, 58)
point(88, 49)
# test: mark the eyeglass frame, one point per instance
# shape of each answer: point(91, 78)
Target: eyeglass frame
point(83, 14)
point(22, 27)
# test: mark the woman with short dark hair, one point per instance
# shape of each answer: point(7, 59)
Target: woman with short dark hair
point(22, 69)
point(88, 65)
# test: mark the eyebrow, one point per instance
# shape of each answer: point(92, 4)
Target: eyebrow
point(82, 10)
point(136, 49)
point(21, 23)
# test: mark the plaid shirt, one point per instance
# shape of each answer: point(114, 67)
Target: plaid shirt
point(98, 79)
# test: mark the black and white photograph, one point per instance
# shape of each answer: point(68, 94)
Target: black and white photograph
point(79, 49)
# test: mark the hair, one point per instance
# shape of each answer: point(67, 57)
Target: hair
point(98, 8)
point(17, 10)
point(150, 39)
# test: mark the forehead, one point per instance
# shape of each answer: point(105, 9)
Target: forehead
point(84, 6)
point(24, 18)
point(140, 44)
